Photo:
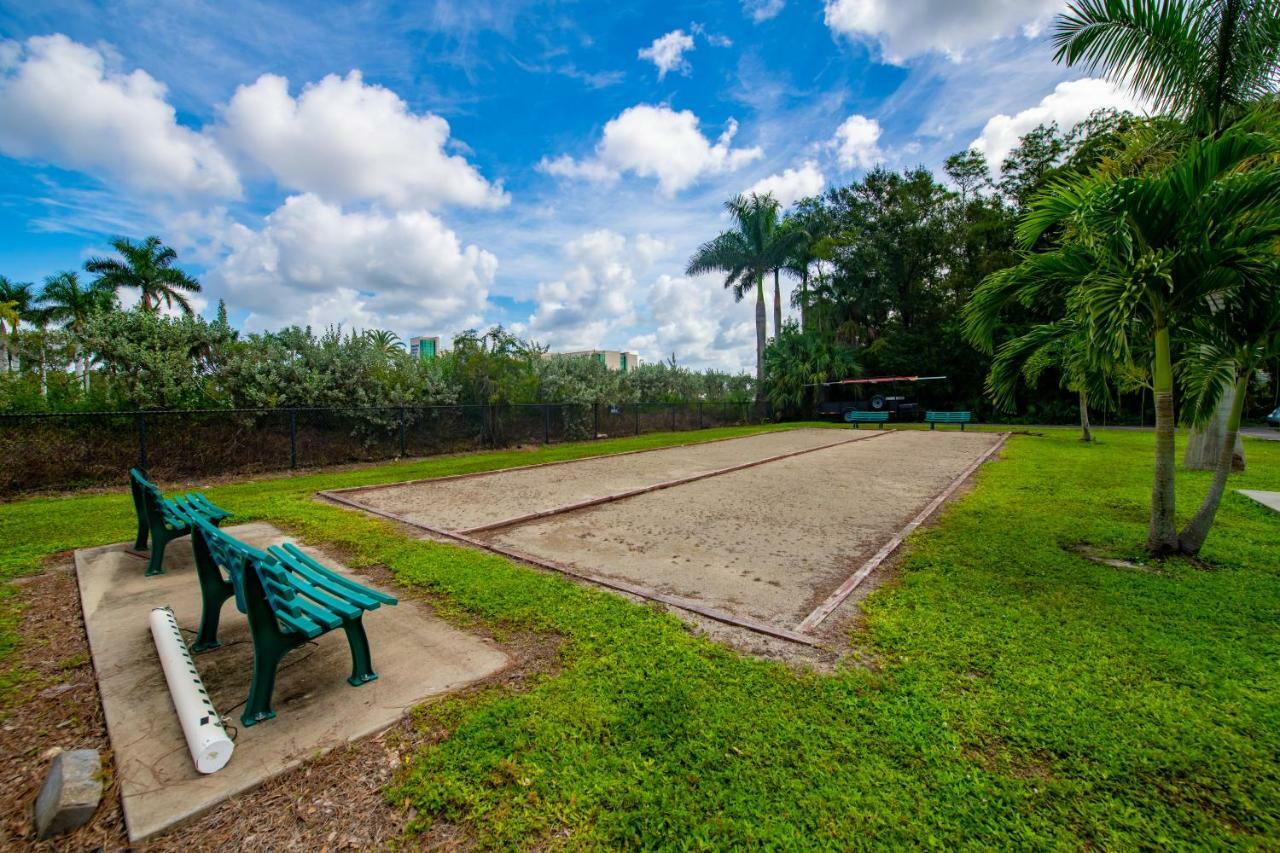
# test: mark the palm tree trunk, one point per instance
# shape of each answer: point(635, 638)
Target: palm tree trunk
point(1162, 533)
point(1205, 443)
point(1192, 537)
point(44, 364)
point(760, 337)
point(804, 300)
point(4, 352)
point(1085, 433)
point(777, 305)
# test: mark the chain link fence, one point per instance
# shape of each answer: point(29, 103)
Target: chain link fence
point(41, 452)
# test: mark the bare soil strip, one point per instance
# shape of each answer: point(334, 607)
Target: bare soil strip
point(560, 510)
point(477, 500)
point(564, 568)
point(822, 611)
point(768, 543)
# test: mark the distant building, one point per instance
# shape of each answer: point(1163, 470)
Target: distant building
point(612, 359)
point(424, 348)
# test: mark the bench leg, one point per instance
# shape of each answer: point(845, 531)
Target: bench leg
point(882, 425)
point(155, 566)
point(266, 660)
point(140, 543)
point(962, 426)
point(361, 662)
point(210, 614)
point(932, 425)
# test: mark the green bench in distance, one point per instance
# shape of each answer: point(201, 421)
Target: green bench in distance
point(935, 418)
point(289, 599)
point(163, 519)
point(856, 417)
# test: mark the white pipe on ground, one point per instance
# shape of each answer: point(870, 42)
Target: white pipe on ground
point(206, 736)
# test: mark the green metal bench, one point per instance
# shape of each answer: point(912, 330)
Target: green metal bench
point(163, 519)
point(935, 418)
point(289, 599)
point(856, 417)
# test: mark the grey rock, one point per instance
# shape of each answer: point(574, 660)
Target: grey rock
point(71, 793)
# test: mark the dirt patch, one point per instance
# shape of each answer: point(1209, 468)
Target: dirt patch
point(456, 504)
point(770, 542)
point(57, 707)
point(333, 801)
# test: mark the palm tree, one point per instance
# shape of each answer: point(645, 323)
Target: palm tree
point(1204, 61)
point(1148, 254)
point(813, 224)
point(385, 342)
point(1236, 341)
point(9, 320)
point(18, 296)
point(148, 266)
point(65, 301)
point(755, 247)
point(1063, 343)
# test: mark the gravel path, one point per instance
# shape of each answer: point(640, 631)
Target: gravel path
point(769, 542)
point(463, 503)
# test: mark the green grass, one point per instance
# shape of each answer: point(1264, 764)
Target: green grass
point(1024, 696)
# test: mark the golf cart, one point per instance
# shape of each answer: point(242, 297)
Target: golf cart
point(1273, 419)
point(873, 394)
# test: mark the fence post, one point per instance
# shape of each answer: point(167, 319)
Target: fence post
point(142, 443)
point(293, 438)
point(546, 423)
point(402, 443)
point(637, 405)
point(673, 417)
point(595, 421)
point(699, 414)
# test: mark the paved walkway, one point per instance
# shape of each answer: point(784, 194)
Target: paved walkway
point(416, 655)
point(1271, 500)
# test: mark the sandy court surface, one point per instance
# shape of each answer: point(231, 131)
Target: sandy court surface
point(769, 542)
point(459, 504)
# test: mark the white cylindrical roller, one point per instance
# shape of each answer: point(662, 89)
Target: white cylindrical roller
point(206, 736)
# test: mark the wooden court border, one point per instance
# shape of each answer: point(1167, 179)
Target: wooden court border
point(801, 634)
point(827, 607)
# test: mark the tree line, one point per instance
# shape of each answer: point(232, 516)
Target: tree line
point(1126, 253)
point(70, 347)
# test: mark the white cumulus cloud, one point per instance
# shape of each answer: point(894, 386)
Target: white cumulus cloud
point(69, 105)
point(312, 262)
point(903, 29)
point(350, 141)
point(857, 142)
point(763, 10)
point(698, 321)
point(1067, 105)
point(656, 142)
point(791, 185)
point(667, 52)
point(585, 308)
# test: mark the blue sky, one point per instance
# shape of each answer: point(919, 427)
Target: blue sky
point(426, 167)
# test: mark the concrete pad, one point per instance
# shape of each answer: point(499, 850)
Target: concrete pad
point(1271, 500)
point(416, 655)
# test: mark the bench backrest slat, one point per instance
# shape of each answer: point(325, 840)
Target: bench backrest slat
point(328, 579)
